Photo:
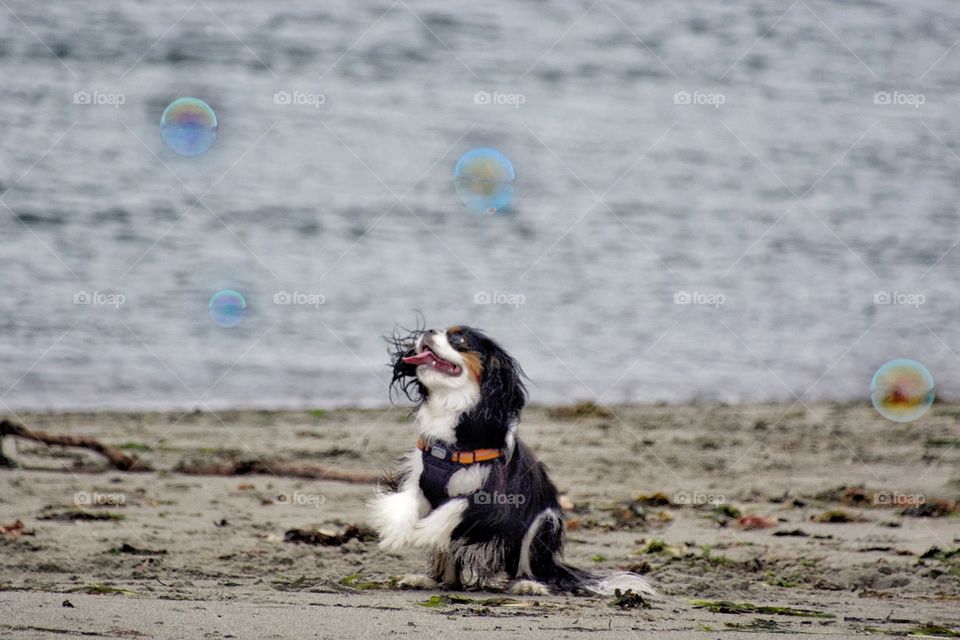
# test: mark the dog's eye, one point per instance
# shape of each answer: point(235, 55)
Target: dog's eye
point(456, 338)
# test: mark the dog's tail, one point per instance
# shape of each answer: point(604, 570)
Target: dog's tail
point(540, 559)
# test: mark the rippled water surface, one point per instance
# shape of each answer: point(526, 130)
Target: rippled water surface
point(778, 165)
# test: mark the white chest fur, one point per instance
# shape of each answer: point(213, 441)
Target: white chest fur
point(438, 416)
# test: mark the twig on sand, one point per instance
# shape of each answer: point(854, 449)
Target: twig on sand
point(117, 458)
point(273, 467)
point(124, 462)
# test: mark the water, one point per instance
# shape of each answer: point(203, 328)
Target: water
point(660, 151)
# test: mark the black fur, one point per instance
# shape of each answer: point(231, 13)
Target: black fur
point(518, 488)
point(404, 379)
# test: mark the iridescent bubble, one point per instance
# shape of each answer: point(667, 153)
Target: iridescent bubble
point(227, 308)
point(485, 180)
point(188, 126)
point(902, 390)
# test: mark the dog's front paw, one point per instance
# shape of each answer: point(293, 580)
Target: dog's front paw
point(394, 541)
point(529, 588)
point(417, 581)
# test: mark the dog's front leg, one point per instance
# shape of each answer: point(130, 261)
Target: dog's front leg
point(435, 530)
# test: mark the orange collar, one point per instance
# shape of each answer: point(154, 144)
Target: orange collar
point(460, 457)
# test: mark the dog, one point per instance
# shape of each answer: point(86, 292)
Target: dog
point(472, 493)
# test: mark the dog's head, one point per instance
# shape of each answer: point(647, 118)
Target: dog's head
point(459, 361)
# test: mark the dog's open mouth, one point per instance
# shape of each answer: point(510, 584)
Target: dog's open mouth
point(430, 359)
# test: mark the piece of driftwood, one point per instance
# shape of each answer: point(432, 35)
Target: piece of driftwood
point(125, 462)
point(330, 538)
point(275, 468)
point(117, 458)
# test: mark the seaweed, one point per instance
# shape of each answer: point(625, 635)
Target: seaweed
point(99, 589)
point(79, 515)
point(726, 606)
point(628, 600)
point(353, 580)
point(930, 630)
point(837, 516)
point(578, 411)
point(447, 600)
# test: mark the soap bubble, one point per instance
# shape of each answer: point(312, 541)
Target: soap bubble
point(227, 308)
point(485, 180)
point(902, 390)
point(188, 126)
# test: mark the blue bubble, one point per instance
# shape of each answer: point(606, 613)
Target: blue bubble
point(902, 390)
point(485, 180)
point(227, 308)
point(188, 126)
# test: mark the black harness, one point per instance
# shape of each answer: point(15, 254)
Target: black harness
point(440, 462)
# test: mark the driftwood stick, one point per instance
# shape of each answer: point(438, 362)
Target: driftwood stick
point(274, 467)
point(120, 460)
point(117, 458)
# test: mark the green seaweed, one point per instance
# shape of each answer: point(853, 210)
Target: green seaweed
point(353, 580)
point(727, 511)
point(930, 630)
point(447, 599)
point(726, 606)
point(135, 446)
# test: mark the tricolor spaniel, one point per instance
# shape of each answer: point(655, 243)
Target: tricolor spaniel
point(471, 492)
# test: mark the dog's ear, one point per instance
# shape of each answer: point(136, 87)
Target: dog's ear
point(502, 392)
point(404, 379)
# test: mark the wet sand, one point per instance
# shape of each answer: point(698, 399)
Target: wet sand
point(861, 531)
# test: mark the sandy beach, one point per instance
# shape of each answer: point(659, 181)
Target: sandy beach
point(751, 521)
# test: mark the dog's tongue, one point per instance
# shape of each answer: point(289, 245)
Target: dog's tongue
point(424, 357)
